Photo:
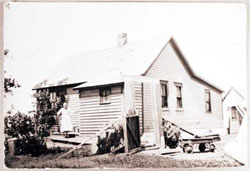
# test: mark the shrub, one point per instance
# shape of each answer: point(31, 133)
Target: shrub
point(171, 134)
point(113, 138)
point(46, 110)
point(23, 128)
point(18, 125)
point(32, 145)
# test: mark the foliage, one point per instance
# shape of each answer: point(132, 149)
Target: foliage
point(46, 110)
point(23, 128)
point(34, 145)
point(171, 134)
point(9, 83)
point(18, 125)
point(113, 138)
point(30, 132)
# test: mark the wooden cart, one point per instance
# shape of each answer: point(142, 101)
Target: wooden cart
point(203, 142)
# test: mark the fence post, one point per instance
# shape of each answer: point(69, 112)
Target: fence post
point(11, 145)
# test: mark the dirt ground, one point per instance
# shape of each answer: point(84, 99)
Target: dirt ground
point(139, 160)
point(177, 154)
point(204, 157)
point(151, 158)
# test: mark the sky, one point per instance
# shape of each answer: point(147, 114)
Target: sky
point(212, 37)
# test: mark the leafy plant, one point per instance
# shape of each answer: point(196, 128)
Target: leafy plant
point(9, 82)
point(23, 128)
point(171, 134)
point(33, 145)
point(113, 138)
point(46, 110)
point(18, 125)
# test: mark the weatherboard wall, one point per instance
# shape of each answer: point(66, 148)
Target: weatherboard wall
point(168, 67)
point(138, 96)
point(95, 116)
point(73, 105)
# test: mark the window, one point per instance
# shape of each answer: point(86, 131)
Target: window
point(234, 113)
point(53, 96)
point(208, 100)
point(105, 96)
point(58, 95)
point(179, 95)
point(164, 94)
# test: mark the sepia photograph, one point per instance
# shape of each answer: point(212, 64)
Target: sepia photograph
point(125, 85)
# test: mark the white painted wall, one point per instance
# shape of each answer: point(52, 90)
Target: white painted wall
point(193, 116)
point(231, 99)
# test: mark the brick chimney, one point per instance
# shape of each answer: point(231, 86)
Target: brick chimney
point(122, 39)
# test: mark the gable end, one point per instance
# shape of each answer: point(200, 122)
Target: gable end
point(185, 64)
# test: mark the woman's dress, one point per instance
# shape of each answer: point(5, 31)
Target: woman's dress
point(66, 124)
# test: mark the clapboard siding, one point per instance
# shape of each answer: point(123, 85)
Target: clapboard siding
point(148, 118)
point(169, 67)
point(139, 103)
point(73, 104)
point(93, 115)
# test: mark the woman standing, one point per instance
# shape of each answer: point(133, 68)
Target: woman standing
point(66, 125)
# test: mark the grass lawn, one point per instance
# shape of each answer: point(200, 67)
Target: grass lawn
point(115, 161)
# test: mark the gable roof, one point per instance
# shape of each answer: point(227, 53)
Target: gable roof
point(230, 90)
point(107, 64)
point(186, 65)
point(131, 59)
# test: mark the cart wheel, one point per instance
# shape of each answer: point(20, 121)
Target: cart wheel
point(212, 147)
point(202, 147)
point(188, 148)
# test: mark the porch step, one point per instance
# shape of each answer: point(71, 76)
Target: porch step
point(55, 128)
point(149, 146)
point(70, 133)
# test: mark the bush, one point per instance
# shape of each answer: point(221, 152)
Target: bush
point(18, 125)
point(23, 128)
point(32, 145)
point(113, 138)
point(46, 109)
point(171, 133)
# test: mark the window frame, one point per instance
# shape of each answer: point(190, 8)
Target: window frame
point(53, 96)
point(106, 97)
point(177, 85)
point(166, 96)
point(234, 113)
point(207, 91)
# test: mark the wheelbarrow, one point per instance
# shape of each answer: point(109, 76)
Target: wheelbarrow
point(203, 142)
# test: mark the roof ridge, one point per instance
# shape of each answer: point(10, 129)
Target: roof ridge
point(232, 88)
point(107, 62)
point(124, 46)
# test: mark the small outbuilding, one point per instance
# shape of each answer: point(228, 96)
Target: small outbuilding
point(234, 110)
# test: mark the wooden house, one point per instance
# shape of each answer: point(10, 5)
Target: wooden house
point(153, 78)
point(234, 110)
